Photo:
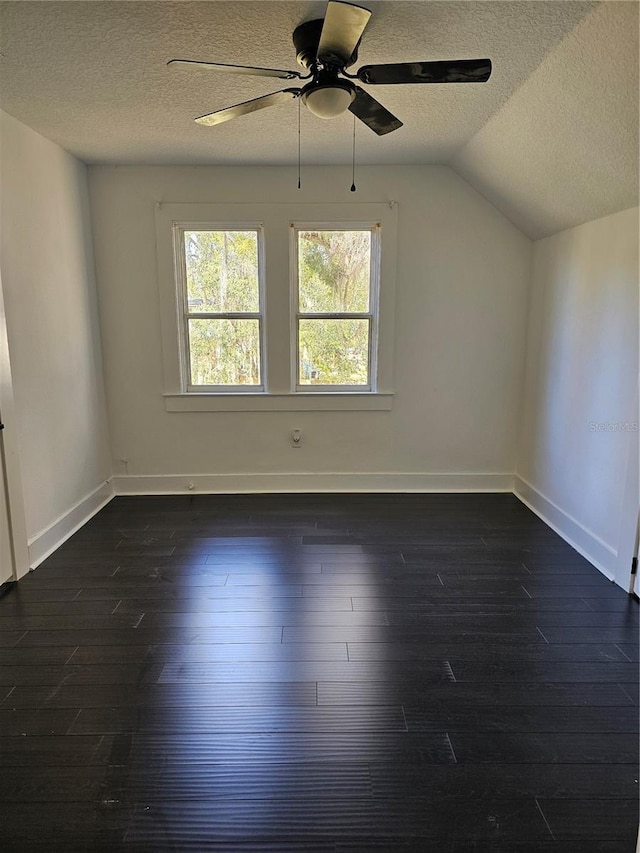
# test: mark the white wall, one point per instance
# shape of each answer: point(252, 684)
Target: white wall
point(462, 290)
point(582, 372)
point(48, 281)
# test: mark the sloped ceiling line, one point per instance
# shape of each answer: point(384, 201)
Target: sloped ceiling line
point(563, 149)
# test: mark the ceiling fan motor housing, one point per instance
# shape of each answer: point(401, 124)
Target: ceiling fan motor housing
point(306, 39)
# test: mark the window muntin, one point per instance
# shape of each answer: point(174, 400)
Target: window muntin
point(221, 300)
point(335, 296)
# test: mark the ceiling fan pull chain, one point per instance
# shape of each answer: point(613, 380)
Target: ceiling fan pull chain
point(353, 158)
point(299, 182)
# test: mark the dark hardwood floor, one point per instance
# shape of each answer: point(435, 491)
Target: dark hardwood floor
point(318, 674)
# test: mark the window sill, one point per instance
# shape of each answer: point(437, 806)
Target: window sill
point(261, 402)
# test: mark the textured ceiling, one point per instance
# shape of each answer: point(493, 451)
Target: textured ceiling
point(564, 148)
point(92, 76)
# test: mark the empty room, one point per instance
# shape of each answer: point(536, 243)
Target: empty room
point(319, 418)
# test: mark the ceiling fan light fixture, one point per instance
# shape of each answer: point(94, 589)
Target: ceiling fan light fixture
point(329, 101)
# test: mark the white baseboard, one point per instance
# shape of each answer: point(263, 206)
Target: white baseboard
point(184, 484)
point(585, 542)
point(46, 541)
point(594, 549)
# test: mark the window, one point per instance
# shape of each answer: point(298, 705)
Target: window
point(276, 306)
point(335, 298)
point(220, 282)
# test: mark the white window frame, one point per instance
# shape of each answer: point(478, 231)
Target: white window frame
point(179, 229)
point(371, 315)
point(279, 391)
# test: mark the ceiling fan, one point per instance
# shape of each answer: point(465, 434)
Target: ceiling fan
point(326, 48)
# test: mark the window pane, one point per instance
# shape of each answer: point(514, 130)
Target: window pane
point(333, 271)
point(334, 352)
point(222, 271)
point(224, 352)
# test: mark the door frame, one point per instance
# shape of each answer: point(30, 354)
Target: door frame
point(11, 457)
point(634, 561)
point(630, 504)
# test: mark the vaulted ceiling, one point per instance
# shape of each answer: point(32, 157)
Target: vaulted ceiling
point(551, 139)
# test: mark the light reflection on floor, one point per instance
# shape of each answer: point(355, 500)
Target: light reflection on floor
point(270, 582)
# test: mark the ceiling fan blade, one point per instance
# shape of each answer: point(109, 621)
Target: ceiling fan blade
point(453, 71)
point(239, 69)
point(342, 30)
point(373, 114)
point(247, 107)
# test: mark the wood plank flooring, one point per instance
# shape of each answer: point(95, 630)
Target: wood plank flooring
point(318, 674)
